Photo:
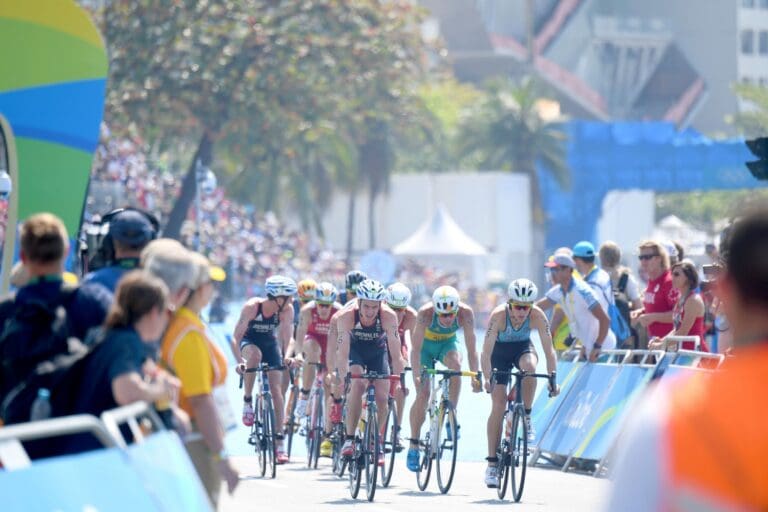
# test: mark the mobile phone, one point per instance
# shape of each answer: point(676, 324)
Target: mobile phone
point(711, 270)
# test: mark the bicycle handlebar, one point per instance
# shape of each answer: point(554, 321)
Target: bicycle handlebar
point(452, 373)
point(521, 374)
point(378, 376)
point(264, 367)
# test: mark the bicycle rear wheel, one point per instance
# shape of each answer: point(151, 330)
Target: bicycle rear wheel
point(425, 464)
point(269, 437)
point(519, 461)
point(354, 469)
point(315, 432)
point(371, 450)
point(390, 431)
point(447, 447)
point(503, 453)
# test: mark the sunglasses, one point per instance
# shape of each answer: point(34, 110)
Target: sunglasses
point(446, 315)
point(518, 306)
point(321, 305)
point(559, 268)
point(393, 308)
point(647, 256)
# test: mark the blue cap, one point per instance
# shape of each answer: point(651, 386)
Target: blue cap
point(584, 249)
point(131, 228)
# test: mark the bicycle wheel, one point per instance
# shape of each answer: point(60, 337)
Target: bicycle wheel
point(315, 432)
point(425, 464)
point(260, 442)
point(269, 437)
point(390, 431)
point(447, 447)
point(354, 469)
point(337, 439)
point(503, 453)
point(371, 450)
point(519, 461)
point(290, 423)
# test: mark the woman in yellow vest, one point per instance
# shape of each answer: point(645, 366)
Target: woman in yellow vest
point(202, 368)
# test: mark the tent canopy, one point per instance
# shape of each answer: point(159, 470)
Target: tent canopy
point(439, 235)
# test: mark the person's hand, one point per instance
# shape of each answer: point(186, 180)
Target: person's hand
point(240, 368)
point(487, 386)
point(416, 381)
point(554, 389)
point(181, 422)
point(655, 343)
point(634, 314)
point(477, 386)
point(294, 362)
point(229, 474)
point(644, 320)
point(594, 354)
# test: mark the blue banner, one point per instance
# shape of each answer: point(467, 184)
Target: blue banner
point(544, 407)
point(602, 427)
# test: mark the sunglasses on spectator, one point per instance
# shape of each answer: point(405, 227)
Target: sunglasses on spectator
point(647, 256)
point(559, 268)
point(517, 306)
point(446, 315)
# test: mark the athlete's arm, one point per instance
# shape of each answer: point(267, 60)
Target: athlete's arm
point(342, 355)
point(544, 303)
point(305, 316)
point(488, 343)
point(389, 323)
point(285, 329)
point(409, 324)
point(417, 339)
point(541, 324)
point(246, 315)
point(467, 322)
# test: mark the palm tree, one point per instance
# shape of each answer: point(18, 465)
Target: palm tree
point(506, 131)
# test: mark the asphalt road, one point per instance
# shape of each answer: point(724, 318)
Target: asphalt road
point(298, 488)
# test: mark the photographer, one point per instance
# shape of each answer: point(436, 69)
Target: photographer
point(699, 442)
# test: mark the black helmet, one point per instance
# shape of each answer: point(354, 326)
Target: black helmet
point(354, 278)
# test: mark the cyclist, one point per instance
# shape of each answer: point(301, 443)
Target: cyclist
point(398, 300)
point(508, 345)
point(262, 334)
point(367, 338)
point(311, 345)
point(434, 339)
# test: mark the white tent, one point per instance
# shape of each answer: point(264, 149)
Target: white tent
point(441, 242)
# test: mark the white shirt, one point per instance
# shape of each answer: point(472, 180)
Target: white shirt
point(577, 303)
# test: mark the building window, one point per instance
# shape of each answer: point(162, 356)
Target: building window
point(749, 4)
point(748, 41)
point(762, 42)
point(764, 4)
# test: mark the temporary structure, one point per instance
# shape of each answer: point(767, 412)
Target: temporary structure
point(441, 242)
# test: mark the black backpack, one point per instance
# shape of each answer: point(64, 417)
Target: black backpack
point(620, 296)
point(36, 352)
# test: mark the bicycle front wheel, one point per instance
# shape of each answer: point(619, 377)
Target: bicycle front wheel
point(269, 437)
point(447, 447)
point(290, 422)
point(425, 464)
point(315, 432)
point(371, 449)
point(390, 432)
point(504, 455)
point(260, 442)
point(339, 462)
point(355, 469)
point(519, 460)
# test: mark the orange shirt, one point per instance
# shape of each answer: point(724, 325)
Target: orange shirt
point(195, 359)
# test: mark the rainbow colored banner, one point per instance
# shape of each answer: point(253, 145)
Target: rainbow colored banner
point(53, 69)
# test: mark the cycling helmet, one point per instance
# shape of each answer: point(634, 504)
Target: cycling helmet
point(354, 278)
point(446, 300)
point(325, 293)
point(306, 289)
point(280, 286)
point(371, 290)
point(522, 290)
point(398, 295)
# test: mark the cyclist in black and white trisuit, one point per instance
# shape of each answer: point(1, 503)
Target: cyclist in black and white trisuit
point(262, 334)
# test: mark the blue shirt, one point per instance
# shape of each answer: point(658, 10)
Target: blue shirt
point(512, 335)
point(108, 277)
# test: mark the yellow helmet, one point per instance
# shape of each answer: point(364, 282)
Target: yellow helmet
point(307, 290)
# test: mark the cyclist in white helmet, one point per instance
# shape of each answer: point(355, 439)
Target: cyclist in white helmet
point(368, 339)
point(508, 345)
point(434, 339)
point(262, 334)
point(398, 300)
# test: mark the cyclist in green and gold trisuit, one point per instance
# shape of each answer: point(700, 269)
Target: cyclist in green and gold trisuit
point(434, 339)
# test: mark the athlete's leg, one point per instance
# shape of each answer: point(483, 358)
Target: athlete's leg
point(354, 400)
point(498, 405)
point(252, 356)
point(452, 360)
point(527, 363)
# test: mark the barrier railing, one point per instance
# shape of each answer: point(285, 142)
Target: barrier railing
point(130, 415)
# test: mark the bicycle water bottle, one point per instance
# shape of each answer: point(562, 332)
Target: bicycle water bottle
point(41, 407)
point(508, 425)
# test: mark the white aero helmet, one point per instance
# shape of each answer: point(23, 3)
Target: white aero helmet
point(325, 293)
point(522, 290)
point(398, 295)
point(280, 286)
point(446, 300)
point(371, 290)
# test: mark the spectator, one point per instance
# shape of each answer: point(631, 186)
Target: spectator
point(660, 296)
point(624, 285)
point(202, 367)
point(699, 443)
point(587, 319)
point(130, 230)
point(171, 262)
point(688, 313)
point(114, 370)
point(712, 253)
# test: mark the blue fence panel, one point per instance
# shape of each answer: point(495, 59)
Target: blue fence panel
point(544, 407)
point(567, 429)
point(602, 427)
point(97, 480)
point(168, 474)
